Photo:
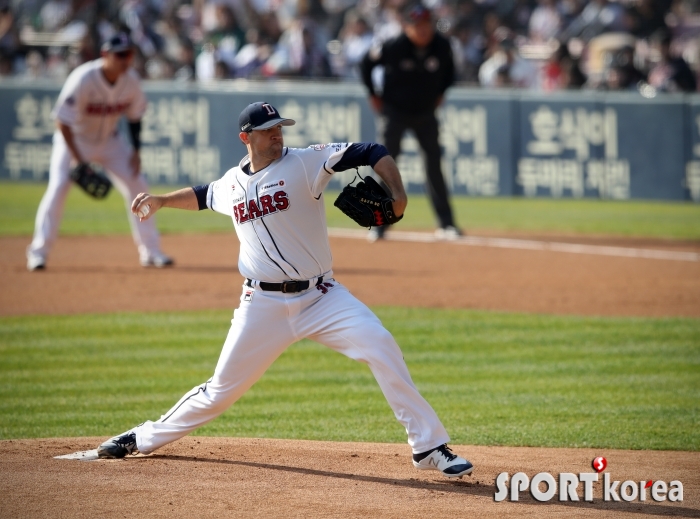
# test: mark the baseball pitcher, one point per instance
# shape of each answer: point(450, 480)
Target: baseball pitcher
point(275, 199)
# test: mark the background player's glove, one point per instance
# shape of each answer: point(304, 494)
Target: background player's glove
point(367, 203)
point(93, 183)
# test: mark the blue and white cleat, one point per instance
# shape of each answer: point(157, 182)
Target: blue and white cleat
point(444, 460)
point(118, 447)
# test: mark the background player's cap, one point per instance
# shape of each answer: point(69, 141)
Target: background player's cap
point(261, 116)
point(117, 43)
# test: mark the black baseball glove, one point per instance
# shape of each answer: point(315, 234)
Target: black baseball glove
point(367, 203)
point(93, 183)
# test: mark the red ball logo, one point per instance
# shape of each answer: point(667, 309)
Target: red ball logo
point(599, 464)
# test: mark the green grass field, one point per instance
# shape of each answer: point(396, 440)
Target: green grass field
point(645, 219)
point(494, 378)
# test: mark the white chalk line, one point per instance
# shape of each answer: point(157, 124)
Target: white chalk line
point(511, 243)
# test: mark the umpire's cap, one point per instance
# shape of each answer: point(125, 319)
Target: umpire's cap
point(416, 12)
point(117, 43)
point(261, 116)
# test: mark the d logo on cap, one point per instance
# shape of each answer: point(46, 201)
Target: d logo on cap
point(261, 116)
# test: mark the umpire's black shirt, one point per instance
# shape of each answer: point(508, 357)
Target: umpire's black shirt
point(414, 78)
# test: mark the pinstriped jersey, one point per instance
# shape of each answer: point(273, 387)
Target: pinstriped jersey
point(279, 213)
point(92, 107)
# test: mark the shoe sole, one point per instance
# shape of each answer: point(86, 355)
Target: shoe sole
point(158, 265)
point(459, 475)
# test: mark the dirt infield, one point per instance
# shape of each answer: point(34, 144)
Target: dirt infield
point(234, 477)
point(237, 477)
point(101, 274)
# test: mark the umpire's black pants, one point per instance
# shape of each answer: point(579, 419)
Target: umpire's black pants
point(392, 125)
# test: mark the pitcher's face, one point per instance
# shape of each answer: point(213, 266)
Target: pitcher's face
point(264, 144)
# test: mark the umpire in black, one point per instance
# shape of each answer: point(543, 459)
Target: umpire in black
point(418, 69)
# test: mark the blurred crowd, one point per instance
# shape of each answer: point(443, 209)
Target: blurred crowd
point(536, 44)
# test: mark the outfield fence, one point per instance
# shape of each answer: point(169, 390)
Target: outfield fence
point(495, 143)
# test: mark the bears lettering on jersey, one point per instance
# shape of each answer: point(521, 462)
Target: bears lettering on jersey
point(105, 109)
point(251, 210)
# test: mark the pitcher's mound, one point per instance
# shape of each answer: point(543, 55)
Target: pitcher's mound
point(238, 477)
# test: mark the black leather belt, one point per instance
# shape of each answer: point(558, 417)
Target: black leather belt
point(286, 287)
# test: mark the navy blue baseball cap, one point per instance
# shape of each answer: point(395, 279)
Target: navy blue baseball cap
point(261, 116)
point(117, 43)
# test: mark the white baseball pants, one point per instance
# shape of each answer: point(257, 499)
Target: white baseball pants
point(114, 155)
point(264, 326)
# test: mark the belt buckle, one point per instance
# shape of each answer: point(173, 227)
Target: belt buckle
point(289, 287)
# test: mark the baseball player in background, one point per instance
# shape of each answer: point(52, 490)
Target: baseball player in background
point(275, 198)
point(94, 98)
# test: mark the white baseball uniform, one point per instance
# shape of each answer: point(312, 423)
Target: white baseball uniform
point(92, 107)
point(279, 217)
